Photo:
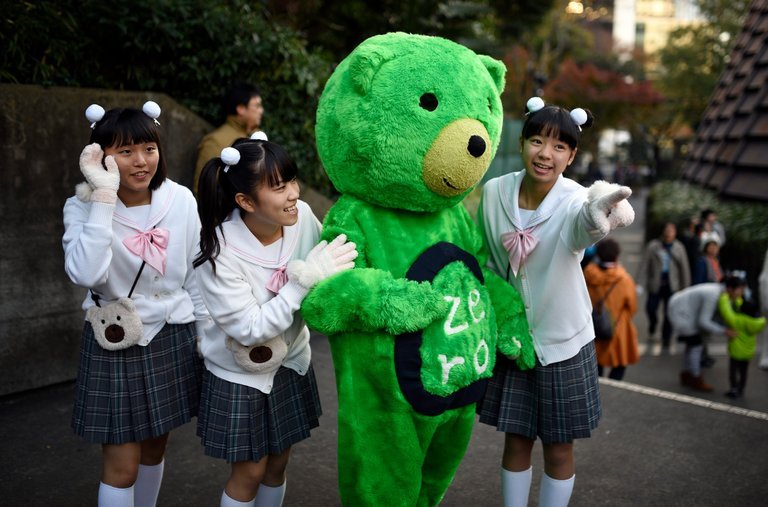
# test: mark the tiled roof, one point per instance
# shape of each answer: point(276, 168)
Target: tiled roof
point(730, 151)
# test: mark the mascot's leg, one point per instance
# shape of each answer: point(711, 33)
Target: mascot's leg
point(447, 448)
point(381, 439)
point(379, 466)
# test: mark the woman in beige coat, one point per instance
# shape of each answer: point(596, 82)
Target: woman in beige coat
point(607, 274)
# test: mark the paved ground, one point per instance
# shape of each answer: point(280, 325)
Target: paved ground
point(658, 444)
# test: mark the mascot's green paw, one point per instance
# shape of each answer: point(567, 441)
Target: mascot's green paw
point(516, 343)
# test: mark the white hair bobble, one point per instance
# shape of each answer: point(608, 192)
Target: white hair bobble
point(94, 113)
point(259, 136)
point(579, 116)
point(152, 109)
point(534, 104)
point(230, 156)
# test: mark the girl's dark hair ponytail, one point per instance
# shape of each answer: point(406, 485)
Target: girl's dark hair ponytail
point(261, 162)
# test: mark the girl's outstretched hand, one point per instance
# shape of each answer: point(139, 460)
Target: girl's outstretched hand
point(104, 183)
point(324, 260)
point(608, 206)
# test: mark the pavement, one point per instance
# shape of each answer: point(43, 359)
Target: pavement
point(658, 444)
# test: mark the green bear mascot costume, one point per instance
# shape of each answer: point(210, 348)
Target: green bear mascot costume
point(406, 126)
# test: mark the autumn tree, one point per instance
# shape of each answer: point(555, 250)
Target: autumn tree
point(616, 100)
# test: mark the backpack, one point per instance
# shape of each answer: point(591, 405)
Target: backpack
point(602, 320)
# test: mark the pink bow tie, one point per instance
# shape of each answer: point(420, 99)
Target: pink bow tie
point(277, 280)
point(150, 246)
point(519, 244)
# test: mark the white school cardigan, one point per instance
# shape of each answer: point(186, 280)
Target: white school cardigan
point(95, 257)
point(551, 281)
point(241, 306)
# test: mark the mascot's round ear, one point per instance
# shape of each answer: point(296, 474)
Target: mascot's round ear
point(364, 65)
point(496, 69)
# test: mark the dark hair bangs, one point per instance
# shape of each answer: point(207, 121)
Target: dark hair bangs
point(278, 165)
point(555, 122)
point(121, 127)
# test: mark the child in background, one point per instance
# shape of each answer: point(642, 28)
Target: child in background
point(537, 225)
point(129, 226)
point(744, 318)
point(259, 391)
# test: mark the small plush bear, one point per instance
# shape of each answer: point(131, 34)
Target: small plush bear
point(116, 325)
point(407, 125)
point(259, 358)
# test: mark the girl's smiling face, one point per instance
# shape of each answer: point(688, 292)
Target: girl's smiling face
point(545, 158)
point(277, 204)
point(137, 164)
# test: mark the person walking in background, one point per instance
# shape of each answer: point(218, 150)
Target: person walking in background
point(689, 237)
point(744, 318)
point(129, 236)
point(259, 393)
point(711, 227)
point(607, 276)
point(537, 224)
point(763, 293)
point(707, 268)
point(692, 312)
point(242, 109)
point(663, 271)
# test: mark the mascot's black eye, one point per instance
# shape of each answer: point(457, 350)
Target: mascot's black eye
point(428, 101)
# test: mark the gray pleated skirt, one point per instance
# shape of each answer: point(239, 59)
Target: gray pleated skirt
point(137, 393)
point(558, 403)
point(240, 423)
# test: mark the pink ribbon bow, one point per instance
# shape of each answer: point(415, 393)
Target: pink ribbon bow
point(277, 280)
point(150, 246)
point(519, 244)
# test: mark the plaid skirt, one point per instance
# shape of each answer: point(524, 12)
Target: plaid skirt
point(241, 423)
point(137, 393)
point(557, 403)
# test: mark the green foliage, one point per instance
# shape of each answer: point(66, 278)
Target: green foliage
point(695, 57)
point(339, 26)
point(192, 50)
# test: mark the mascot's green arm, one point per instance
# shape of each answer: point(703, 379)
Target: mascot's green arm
point(367, 299)
point(514, 339)
point(364, 298)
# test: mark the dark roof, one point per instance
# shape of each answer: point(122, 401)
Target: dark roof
point(730, 151)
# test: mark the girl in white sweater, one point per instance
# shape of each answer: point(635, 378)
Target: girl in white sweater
point(259, 391)
point(537, 225)
point(130, 236)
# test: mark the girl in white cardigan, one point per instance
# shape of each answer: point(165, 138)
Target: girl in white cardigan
point(537, 225)
point(259, 391)
point(130, 236)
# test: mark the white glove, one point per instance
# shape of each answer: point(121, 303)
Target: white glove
point(324, 260)
point(608, 206)
point(103, 183)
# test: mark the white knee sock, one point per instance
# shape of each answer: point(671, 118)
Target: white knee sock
point(268, 496)
point(554, 492)
point(147, 485)
point(110, 496)
point(226, 501)
point(515, 487)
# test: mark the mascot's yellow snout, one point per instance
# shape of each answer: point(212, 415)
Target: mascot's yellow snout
point(458, 158)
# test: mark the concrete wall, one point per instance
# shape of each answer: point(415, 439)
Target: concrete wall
point(42, 131)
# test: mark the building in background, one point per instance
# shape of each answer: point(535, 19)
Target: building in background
point(730, 151)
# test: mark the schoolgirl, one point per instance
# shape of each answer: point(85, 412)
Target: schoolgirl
point(130, 235)
point(259, 391)
point(537, 225)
